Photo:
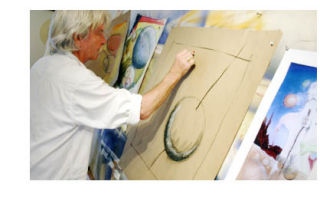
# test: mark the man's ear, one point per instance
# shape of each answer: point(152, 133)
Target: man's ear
point(77, 40)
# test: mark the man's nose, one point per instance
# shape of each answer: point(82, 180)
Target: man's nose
point(103, 40)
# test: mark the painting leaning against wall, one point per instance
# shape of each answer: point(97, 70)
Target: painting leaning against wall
point(108, 62)
point(139, 48)
point(285, 145)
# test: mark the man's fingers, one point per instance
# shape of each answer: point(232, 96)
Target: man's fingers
point(190, 56)
point(186, 58)
point(182, 53)
point(191, 61)
point(185, 53)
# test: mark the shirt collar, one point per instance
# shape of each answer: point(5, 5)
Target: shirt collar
point(73, 57)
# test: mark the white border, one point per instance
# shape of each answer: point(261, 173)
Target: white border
point(296, 56)
point(20, 195)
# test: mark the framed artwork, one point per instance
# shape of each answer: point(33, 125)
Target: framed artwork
point(281, 142)
point(139, 49)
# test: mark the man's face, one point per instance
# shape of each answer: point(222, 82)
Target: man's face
point(90, 45)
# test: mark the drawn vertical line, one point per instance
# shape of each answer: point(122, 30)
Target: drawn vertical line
point(235, 57)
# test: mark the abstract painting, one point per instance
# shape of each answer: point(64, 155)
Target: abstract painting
point(108, 145)
point(175, 18)
point(235, 19)
point(139, 48)
point(108, 63)
point(285, 146)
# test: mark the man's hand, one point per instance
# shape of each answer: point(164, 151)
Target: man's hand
point(183, 62)
point(156, 96)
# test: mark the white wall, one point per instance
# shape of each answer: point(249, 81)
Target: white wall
point(37, 19)
point(299, 31)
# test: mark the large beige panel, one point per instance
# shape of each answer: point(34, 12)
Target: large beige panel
point(195, 85)
point(229, 66)
point(133, 166)
point(262, 48)
point(215, 106)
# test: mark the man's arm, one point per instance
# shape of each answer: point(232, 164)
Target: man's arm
point(156, 96)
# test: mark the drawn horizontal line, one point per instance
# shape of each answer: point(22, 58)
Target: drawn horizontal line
point(247, 60)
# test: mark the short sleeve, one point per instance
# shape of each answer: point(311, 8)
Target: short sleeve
point(98, 105)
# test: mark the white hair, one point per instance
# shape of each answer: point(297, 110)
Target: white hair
point(64, 24)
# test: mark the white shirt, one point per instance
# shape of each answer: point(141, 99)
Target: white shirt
point(67, 103)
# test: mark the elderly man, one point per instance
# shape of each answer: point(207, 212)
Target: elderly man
point(68, 101)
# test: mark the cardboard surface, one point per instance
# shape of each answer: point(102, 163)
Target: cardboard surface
point(135, 168)
point(229, 67)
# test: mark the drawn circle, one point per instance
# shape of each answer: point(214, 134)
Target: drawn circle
point(184, 129)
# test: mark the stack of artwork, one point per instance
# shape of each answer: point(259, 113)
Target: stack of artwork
point(176, 18)
point(139, 49)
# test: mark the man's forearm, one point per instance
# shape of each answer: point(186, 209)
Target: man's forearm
point(154, 98)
